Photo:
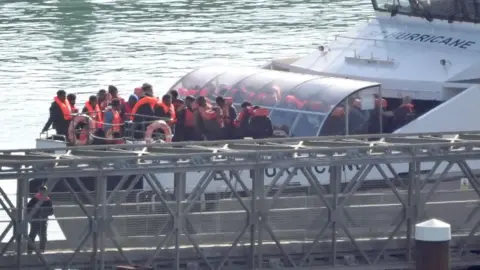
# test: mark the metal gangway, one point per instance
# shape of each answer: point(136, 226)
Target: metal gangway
point(300, 203)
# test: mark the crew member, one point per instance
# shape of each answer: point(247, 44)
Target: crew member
point(137, 94)
point(72, 99)
point(124, 107)
point(185, 127)
point(243, 118)
point(208, 120)
point(93, 110)
point(260, 125)
point(229, 115)
point(113, 121)
point(165, 109)
point(177, 102)
point(60, 114)
point(39, 222)
point(143, 112)
point(403, 114)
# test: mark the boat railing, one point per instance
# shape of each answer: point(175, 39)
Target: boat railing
point(131, 130)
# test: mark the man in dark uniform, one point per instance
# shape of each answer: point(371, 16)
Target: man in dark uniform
point(39, 222)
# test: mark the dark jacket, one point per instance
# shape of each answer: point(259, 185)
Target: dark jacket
point(260, 127)
point(45, 210)
point(56, 118)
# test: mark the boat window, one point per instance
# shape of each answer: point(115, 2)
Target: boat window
point(303, 110)
point(359, 113)
point(246, 89)
point(453, 10)
point(271, 94)
point(223, 83)
point(198, 78)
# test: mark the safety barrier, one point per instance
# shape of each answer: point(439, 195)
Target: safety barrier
point(356, 204)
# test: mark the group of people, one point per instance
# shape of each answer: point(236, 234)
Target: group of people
point(108, 118)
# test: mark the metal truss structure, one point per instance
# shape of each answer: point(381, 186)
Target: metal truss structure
point(255, 223)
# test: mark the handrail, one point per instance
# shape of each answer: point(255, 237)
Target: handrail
point(153, 201)
point(137, 198)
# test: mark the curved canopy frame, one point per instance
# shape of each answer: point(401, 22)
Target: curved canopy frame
point(299, 104)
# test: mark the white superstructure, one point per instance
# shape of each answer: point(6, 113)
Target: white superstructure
point(416, 53)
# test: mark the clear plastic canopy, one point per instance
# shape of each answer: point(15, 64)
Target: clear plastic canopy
point(300, 105)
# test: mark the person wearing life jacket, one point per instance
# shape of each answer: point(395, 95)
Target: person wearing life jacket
point(208, 119)
point(185, 127)
point(403, 114)
point(243, 119)
point(143, 114)
point(177, 102)
point(267, 97)
point(309, 123)
point(229, 114)
point(135, 96)
point(60, 114)
point(102, 99)
point(93, 110)
point(335, 122)
point(166, 110)
point(380, 101)
point(72, 99)
point(260, 126)
point(124, 106)
point(39, 222)
point(113, 121)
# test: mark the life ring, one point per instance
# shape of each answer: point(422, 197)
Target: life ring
point(159, 124)
point(84, 136)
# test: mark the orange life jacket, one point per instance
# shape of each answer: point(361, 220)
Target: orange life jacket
point(338, 112)
point(242, 115)
point(189, 118)
point(38, 196)
point(144, 100)
point(382, 102)
point(169, 110)
point(316, 106)
point(408, 106)
point(290, 99)
point(207, 113)
point(117, 121)
point(95, 113)
point(65, 107)
point(74, 109)
point(226, 113)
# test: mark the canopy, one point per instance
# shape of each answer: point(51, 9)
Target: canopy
point(299, 104)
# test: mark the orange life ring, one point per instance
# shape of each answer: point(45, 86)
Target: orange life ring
point(159, 124)
point(84, 137)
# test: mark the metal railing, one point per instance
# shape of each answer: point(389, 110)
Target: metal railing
point(364, 216)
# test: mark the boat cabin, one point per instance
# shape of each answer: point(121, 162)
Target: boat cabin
point(299, 105)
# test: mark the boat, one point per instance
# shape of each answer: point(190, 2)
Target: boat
point(423, 49)
point(417, 49)
point(297, 119)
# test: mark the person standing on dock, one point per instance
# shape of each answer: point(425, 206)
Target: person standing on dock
point(39, 222)
point(60, 114)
